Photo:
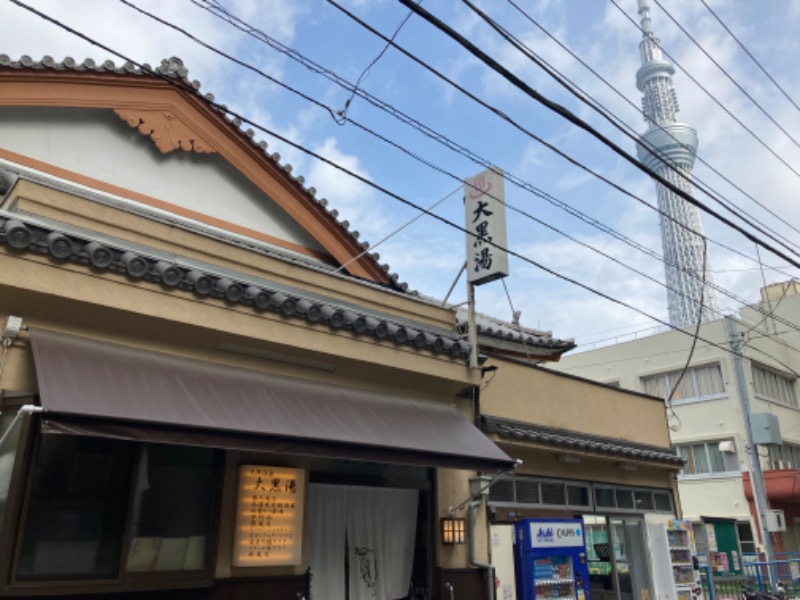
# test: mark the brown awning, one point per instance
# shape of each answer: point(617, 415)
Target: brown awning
point(89, 387)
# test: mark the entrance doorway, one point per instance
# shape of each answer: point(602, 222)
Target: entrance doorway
point(617, 553)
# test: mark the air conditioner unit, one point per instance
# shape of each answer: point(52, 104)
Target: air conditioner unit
point(727, 447)
point(776, 521)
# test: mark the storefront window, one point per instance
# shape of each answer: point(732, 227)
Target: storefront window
point(76, 509)
point(171, 509)
point(8, 452)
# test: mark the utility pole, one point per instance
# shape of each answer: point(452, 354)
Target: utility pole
point(756, 475)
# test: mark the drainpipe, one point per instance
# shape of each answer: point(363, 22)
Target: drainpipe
point(489, 569)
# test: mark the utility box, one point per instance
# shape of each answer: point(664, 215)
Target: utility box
point(776, 521)
point(766, 428)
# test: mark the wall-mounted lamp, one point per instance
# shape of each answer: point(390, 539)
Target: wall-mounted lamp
point(453, 530)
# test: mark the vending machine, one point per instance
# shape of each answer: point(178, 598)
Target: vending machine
point(550, 556)
point(673, 555)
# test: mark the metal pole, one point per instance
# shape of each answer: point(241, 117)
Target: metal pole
point(756, 475)
point(473, 328)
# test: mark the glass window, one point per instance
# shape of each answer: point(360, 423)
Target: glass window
point(697, 383)
point(699, 458)
point(624, 499)
point(774, 386)
point(746, 540)
point(578, 495)
point(604, 497)
point(663, 501)
point(76, 510)
point(8, 452)
point(527, 491)
point(644, 500)
point(553, 493)
point(171, 508)
point(705, 458)
point(502, 491)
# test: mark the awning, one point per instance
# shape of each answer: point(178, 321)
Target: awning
point(97, 388)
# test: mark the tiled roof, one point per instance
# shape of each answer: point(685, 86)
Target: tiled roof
point(493, 329)
point(578, 441)
point(26, 233)
point(174, 68)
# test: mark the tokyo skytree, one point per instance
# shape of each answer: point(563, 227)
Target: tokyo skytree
point(668, 148)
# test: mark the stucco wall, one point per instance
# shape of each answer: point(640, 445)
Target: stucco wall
point(96, 143)
point(540, 396)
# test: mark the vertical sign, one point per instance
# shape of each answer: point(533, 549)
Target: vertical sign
point(269, 516)
point(484, 202)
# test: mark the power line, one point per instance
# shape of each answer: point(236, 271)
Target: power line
point(220, 12)
point(569, 116)
point(180, 85)
point(527, 132)
point(640, 111)
point(451, 175)
point(343, 113)
point(430, 164)
point(624, 128)
point(728, 75)
point(714, 98)
point(753, 58)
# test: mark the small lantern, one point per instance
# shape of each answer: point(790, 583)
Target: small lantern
point(453, 531)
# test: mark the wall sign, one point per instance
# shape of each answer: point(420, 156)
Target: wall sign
point(484, 203)
point(269, 516)
point(556, 534)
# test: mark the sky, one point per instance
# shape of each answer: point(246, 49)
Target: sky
point(428, 254)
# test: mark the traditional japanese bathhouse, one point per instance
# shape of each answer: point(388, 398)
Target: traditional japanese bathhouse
point(210, 388)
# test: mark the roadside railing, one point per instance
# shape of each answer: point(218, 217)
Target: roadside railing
point(756, 576)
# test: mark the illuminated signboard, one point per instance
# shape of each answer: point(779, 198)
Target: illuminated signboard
point(269, 516)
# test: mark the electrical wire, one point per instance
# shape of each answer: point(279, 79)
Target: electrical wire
point(396, 231)
point(343, 113)
point(184, 87)
point(213, 8)
point(428, 163)
point(728, 75)
point(578, 122)
point(638, 109)
point(613, 119)
point(710, 95)
point(746, 51)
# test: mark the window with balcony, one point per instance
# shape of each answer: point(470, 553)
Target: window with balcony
point(785, 456)
point(698, 383)
point(705, 458)
point(774, 386)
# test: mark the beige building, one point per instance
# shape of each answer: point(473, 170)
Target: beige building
point(705, 413)
point(211, 389)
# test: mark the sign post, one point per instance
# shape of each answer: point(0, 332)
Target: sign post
point(487, 259)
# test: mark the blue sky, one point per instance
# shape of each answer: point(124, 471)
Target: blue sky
point(428, 254)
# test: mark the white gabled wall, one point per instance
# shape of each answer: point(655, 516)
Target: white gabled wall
point(96, 143)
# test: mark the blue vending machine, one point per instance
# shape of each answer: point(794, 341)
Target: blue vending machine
point(550, 558)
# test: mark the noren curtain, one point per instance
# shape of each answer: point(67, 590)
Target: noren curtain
point(379, 525)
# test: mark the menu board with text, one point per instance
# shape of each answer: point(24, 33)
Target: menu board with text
point(269, 516)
